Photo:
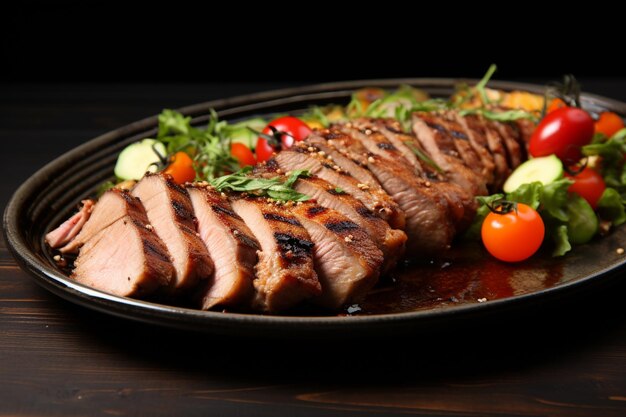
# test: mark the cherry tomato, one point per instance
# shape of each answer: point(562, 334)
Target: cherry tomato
point(514, 236)
point(556, 103)
point(243, 154)
point(181, 168)
point(286, 130)
point(609, 123)
point(562, 132)
point(589, 185)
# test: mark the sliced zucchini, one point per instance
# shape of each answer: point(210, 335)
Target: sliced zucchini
point(241, 133)
point(138, 158)
point(546, 169)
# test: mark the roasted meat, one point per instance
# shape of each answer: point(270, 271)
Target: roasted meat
point(125, 257)
point(170, 212)
point(232, 247)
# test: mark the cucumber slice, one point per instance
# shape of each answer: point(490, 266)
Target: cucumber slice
point(546, 169)
point(137, 158)
point(239, 132)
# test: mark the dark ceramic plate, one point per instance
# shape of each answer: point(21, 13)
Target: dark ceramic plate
point(465, 285)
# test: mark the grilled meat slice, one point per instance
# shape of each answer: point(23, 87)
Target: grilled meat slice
point(461, 142)
point(125, 257)
point(475, 130)
point(511, 139)
point(461, 203)
point(440, 147)
point(307, 156)
point(70, 228)
point(390, 241)
point(171, 214)
point(430, 224)
point(284, 274)
point(231, 245)
point(112, 206)
point(346, 260)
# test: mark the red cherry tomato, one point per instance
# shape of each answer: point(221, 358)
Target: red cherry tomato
point(243, 154)
point(514, 236)
point(589, 185)
point(562, 132)
point(609, 123)
point(286, 130)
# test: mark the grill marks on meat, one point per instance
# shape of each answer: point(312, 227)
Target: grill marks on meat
point(441, 147)
point(284, 274)
point(307, 156)
point(346, 260)
point(170, 212)
point(370, 180)
point(125, 257)
point(232, 246)
point(390, 241)
point(427, 212)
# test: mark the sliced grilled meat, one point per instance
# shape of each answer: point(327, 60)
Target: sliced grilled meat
point(284, 274)
point(170, 213)
point(307, 156)
point(70, 228)
point(441, 147)
point(461, 203)
point(125, 257)
point(461, 142)
point(430, 224)
point(112, 206)
point(511, 139)
point(475, 131)
point(390, 241)
point(231, 245)
point(346, 260)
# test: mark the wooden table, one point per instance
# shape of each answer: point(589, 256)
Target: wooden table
point(564, 359)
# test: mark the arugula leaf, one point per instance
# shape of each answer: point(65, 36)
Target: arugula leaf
point(270, 187)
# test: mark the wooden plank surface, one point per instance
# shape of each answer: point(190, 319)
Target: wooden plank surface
point(58, 359)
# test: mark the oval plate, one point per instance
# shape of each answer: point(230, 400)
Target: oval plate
point(439, 293)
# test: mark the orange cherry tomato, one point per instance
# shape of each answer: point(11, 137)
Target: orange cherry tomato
point(243, 154)
point(589, 185)
point(556, 103)
point(513, 236)
point(181, 168)
point(609, 123)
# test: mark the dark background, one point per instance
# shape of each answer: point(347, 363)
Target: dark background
point(104, 41)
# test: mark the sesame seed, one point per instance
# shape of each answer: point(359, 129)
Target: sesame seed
point(371, 159)
point(235, 232)
point(321, 153)
point(57, 258)
point(348, 238)
point(279, 171)
point(368, 132)
point(619, 251)
point(481, 300)
point(223, 195)
point(299, 203)
point(310, 149)
point(427, 184)
point(149, 226)
point(363, 186)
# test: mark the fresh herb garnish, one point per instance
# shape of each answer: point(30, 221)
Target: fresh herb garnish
point(500, 116)
point(263, 187)
point(425, 158)
point(210, 148)
point(480, 87)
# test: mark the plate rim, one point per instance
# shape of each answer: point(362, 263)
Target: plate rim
point(172, 316)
